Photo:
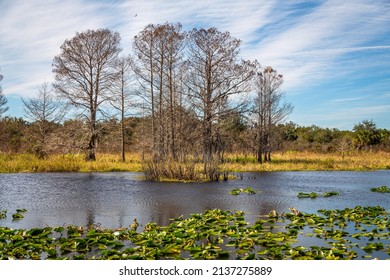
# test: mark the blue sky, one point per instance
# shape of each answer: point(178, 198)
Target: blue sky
point(334, 55)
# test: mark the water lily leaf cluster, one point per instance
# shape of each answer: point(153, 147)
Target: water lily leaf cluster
point(382, 189)
point(238, 191)
point(315, 195)
point(361, 232)
point(18, 215)
point(3, 214)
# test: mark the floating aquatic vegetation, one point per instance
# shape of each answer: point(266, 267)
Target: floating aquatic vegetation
point(238, 191)
point(360, 232)
point(315, 195)
point(18, 215)
point(307, 195)
point(3, 214)
point(329, 194)
point(382, 189)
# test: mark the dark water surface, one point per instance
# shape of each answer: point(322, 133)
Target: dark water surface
point(115, 199)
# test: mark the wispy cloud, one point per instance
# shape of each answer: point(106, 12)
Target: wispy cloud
point(309, 47)
point(31, 34)
point(343, 100)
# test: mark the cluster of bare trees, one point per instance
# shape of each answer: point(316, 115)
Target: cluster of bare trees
point(44, 111)
point(270, 109)
point(159, 68)
point(185, 86)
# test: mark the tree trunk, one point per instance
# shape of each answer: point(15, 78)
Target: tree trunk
point(123, 158)
point(259, 155)
point(92, 139)
point(91, 149)
point(207, 146)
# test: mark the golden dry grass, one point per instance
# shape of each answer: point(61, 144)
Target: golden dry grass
point(67, 163)
point(305, 161)
point(289, 161)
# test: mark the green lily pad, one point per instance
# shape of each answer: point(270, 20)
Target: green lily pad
point(238, 191)
point(17, 216)
point(382, 189)
point(329, 194)
point(3, 214)
point(307, 195)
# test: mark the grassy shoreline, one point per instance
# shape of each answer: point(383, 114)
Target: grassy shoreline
point(289, 161)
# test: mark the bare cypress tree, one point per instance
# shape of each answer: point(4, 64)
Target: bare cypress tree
point(144, 68)
point(44, 111)
point(3, 100)
point(270, 109)
point(121, 98)
point(84, 74)
point(215, 76)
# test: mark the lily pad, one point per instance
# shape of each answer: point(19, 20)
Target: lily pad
point(307, 195)
point(17, 216)
point(213, 234)
point(3, 214)
point(329, 194)
point(382, 189)
point(241, 190)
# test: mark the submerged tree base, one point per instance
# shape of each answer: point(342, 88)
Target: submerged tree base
point(358, 233)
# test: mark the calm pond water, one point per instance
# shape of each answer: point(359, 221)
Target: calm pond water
point(115, 199)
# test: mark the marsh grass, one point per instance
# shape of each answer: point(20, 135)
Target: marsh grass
point(170, 170)
point(191, 170)
point(309, 161)
point(288, 161)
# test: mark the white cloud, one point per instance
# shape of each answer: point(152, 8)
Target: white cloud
point(310, 46)
point(31, 35)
